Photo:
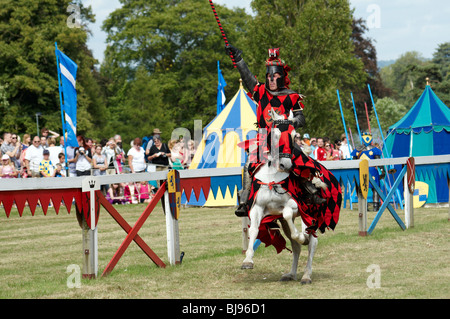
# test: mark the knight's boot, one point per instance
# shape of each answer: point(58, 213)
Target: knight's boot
point(242, 210)
point(313, 193)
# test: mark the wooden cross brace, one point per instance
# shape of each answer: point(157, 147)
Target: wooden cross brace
point(132, 231)
point(386, 202)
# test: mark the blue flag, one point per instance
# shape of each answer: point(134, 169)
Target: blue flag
point(67, 74)
point(220, 91)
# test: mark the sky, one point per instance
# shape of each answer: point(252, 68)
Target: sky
point(395, 26)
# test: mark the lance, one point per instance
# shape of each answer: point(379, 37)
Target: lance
point(351, 135)
point(343, 121)
point(356, 118)
point(391, 170)
point(221, 29)
point(367, 115)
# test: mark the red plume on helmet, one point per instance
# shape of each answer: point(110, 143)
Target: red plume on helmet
point(274, 64)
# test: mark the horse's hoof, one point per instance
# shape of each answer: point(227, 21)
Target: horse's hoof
point(306, 281)
point(247, 266)
point(287, 277)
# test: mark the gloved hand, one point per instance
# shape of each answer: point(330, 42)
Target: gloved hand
point(231, 50)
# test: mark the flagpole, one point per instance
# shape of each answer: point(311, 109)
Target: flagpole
point(62, 111)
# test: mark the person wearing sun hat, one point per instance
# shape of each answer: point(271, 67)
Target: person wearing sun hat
point(7, 168)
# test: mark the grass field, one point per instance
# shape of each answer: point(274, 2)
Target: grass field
point(35, 252)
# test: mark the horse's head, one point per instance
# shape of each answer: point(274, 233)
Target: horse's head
point(282, 140)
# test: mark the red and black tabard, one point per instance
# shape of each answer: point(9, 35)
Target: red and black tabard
point(282, 104)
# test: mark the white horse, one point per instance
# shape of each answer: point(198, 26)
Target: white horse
point(271, 199)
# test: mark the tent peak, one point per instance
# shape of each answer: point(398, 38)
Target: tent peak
point(240, 84)
point(428, 81)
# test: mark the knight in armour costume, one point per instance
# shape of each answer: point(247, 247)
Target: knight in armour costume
point(369, 151)
point(275, 95)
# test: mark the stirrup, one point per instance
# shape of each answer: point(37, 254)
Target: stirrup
point(241, 211)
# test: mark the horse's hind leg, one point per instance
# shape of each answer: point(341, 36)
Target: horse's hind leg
point(296, 248)
point(306, 279)
point(256, 214)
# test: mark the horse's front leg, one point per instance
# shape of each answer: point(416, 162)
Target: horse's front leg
point(306, 279)
point(288, 214)
point(256, 214)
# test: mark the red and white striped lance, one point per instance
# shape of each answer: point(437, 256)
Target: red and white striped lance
point(221, 29)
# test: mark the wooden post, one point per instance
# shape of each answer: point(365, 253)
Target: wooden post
point(173, 234)
point(90, 250)
point(409, 204)
point(362, 217)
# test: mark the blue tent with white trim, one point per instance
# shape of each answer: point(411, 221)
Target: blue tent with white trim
point(424, 131)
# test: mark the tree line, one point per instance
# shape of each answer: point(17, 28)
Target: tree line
point(160, 65)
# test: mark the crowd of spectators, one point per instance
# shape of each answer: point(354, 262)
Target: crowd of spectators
point(45, 156)
point(322, 149)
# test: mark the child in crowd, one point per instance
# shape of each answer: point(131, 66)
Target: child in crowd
point(62, 162)
point(130, 193)
point(8, 169)
point(46, 166)
point(144, 191)
point(58, 171)
point(115, 194)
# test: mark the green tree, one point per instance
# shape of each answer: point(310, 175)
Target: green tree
point(402, 77)
point(162, 57)
point(366, 51)
point(28, 32)
point(315, 40)
point(389, 112)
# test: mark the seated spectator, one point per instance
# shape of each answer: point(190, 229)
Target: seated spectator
point(7, 170)
point(115, 194)
point(144, 192)
point(130, 193)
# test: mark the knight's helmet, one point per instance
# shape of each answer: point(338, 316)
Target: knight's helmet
point(275, 65)
point(367, 138)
